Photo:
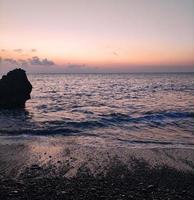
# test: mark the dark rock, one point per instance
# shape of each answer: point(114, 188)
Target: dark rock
point(15, 89)
point(35, 167)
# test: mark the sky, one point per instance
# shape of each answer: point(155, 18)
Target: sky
point(96, 35)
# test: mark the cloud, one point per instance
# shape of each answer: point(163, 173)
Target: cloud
point(47, 62)
point(75, 66)
point(18, 50)
point(33, 50)
point(115, 53)
point(10, 60)
point(31, 61)
point(14, 62)
point(37, 61)
point(23, 62)
point(79, 68)
point(34, 61)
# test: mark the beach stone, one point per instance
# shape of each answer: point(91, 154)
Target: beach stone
point(15, 89)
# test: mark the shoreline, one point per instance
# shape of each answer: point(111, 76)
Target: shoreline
point(52, 168)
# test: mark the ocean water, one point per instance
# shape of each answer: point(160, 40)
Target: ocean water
point(135, 110)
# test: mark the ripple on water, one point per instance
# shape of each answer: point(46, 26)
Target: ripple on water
point(132, 109)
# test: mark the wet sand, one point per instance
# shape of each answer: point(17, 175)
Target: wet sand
point(80, 168)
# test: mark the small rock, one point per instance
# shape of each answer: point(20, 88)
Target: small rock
point(14, 192)
point(150, 186)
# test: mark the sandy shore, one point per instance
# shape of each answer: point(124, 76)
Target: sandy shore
point(71, 168)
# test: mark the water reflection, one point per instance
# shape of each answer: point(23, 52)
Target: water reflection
point(12, 121)
point(130, 110)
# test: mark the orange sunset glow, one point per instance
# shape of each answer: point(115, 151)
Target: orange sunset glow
point(97, 35)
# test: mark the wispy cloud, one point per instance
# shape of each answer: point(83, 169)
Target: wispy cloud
point(33, 50)
point(10, 60)
point(23, 62)
point(79, 68)
point(18, 50)
point(115, 53)
point(75, 66)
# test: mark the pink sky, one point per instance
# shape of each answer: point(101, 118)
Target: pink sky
point(97, 35)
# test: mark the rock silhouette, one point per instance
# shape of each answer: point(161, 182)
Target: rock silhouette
point(15, 89)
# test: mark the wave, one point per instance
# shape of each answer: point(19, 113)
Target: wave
point(156, 142)
point(50, 131)
point(171, 114)
point(111, 120)
point(148, 116)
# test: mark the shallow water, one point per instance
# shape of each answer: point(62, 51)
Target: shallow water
point(147, 110)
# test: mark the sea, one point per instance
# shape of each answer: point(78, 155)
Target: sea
point(124, 110)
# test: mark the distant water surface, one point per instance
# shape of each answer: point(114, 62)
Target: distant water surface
point(137, 110)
